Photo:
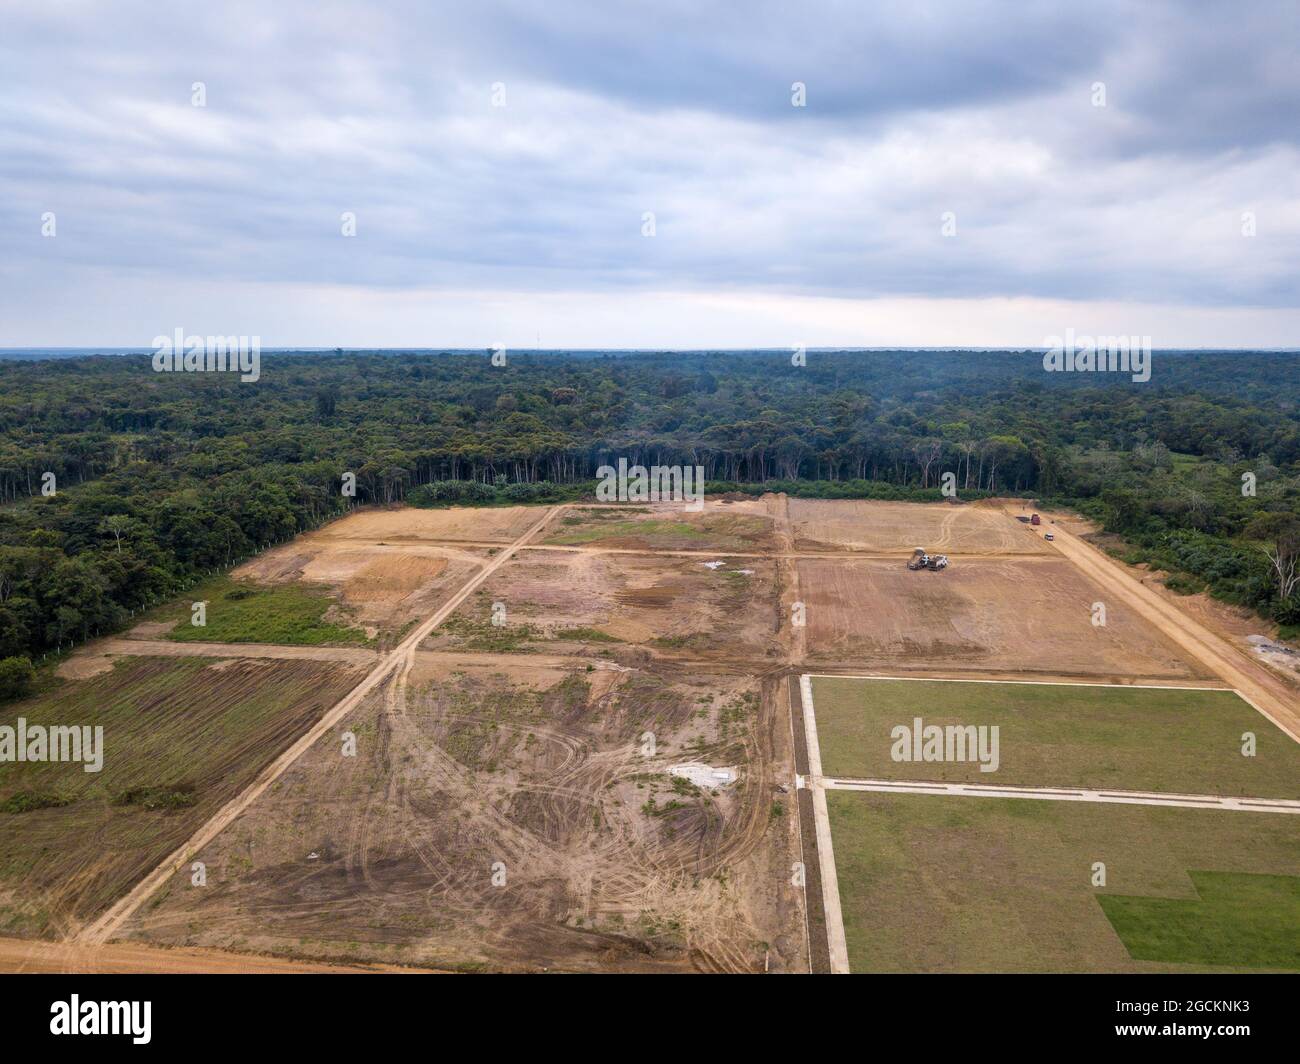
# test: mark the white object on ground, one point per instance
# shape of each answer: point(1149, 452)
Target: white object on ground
point(703, 775)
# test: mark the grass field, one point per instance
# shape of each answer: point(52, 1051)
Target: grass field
point(932, 883)
point(1130, 738)
point(181, 736)
point(241, 612)
point(1252, 920)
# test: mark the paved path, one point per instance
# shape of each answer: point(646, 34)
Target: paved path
point(398, 662)
point(838, 945)
point(1061, 794)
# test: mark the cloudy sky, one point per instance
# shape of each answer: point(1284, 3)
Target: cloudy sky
point(500, 159)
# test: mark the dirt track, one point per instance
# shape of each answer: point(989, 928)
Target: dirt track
point(1268, 693)
point(130, 958)
point(163, 648)
point(398, 661)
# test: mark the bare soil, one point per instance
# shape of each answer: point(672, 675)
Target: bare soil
point(899, 527)
point(589, 601)
point(1030, 616)
point(381, 587)
point(507, 815)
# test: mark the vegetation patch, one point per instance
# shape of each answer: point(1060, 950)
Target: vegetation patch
point(245, 613)
point(26, 801)
point(1245, 921)
point(1129, 738)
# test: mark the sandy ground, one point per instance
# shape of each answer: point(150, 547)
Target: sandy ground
point(1030, 617)
point(1235, 624)
point(468, 755)
point(1264, 688)
point(131, 958)
point(535, 769)
point(406, 525)
point(98, 657)
point(743, 525)
point(396, 664)
point(676, 606)
point(939, 528)
point(382, 587)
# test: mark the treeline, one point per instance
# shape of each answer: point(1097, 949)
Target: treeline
point(157, 478)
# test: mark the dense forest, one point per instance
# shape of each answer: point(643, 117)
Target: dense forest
point(159, 477)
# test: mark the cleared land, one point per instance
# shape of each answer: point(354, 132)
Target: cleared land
point(1273, 694)
point(130, 958)
point(886, 527)
point(1132, 738)
point(502, 810)
point(936, 884)
point(507, 815)
point(740, 526)
point(180, 737)
point(592, 602)
point(996, 615)
point(406, 526)
point(379, 588)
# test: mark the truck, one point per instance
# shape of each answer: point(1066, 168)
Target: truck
point(921, 560)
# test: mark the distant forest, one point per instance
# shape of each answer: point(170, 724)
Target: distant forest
point(160, 477)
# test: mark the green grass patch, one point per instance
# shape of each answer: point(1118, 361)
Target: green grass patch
point(1250, 921)
point(1129, 738)
point(241, 612)
point(26, 801)
point(932, 883)
point(585, 635)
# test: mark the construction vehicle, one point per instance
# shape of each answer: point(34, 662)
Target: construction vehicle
point(1035, 520)
point(921, 560)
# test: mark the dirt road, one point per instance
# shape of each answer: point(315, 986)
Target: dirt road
point(1271, 695)
point(399, 661)
point(129, 958)
point(164, 648)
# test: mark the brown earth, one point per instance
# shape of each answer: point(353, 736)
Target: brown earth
point(30, 957)
point(536, 773)
point(939, 528)
point(180, 736)
point(409, 525)
point(381, 587)
point(718, 525)
point(522, 744)
point(674, 606)
point(1030, 616)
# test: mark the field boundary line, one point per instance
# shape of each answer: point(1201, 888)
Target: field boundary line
point(1062, 794)
point(798, 782)
point(109, 922)
point(839, 951)
point(1030, 683)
